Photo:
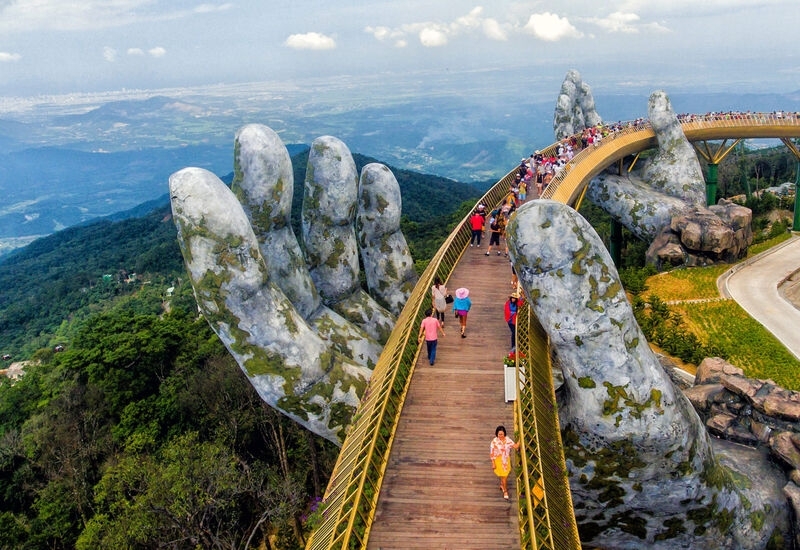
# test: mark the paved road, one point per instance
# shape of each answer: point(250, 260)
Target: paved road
point(754, 285)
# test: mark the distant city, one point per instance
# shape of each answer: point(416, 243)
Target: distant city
point(68, 159)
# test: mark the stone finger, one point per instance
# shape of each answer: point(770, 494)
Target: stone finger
point(264, 184)
point(388, 265)
point(329, 209)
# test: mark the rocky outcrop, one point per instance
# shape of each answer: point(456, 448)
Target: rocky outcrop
point(664, 202)
point(703, 236)
point(752, 412)
point(575, 109)
point(296, 320)
point(642, 468)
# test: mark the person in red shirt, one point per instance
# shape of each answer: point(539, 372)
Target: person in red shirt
point(476, 222)
point(512, 306)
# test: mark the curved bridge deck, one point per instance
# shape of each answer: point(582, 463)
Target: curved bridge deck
point(439, 490)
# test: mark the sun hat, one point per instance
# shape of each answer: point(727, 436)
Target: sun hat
point(514, 295)
point(462, 293)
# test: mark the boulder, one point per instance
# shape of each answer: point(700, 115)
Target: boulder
point(701, 397)
point(784, 448)
point(712, 369)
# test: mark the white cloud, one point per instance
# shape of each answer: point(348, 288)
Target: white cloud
point(436, 34)
point(6, 57)
point(135, 51)
point(494, 30)
point(470, 21)
point(310, 41)
point(626, 22)
point(432, 37)
point(109, 54)
point(158, 51)
point(618, 22)
point(550, 27)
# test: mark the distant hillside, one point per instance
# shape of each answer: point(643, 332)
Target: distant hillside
point(57, 280)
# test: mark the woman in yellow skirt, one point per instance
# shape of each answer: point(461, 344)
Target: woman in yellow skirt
point(500, 453)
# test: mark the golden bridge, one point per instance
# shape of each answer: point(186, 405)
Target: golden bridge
point(414, 470)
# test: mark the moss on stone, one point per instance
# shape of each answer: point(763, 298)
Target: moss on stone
point(586, 382)
point(672, 528)
point(619, 401)
point(757, 520)
point(635, 525)
point(578, 341)
point(335, 258)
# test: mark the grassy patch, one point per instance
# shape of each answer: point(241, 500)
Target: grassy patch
point(766, 245)
point(746, 343)
point(691, 283)
point(742, 340)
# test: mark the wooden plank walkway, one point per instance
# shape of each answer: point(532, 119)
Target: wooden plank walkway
point(439, 491)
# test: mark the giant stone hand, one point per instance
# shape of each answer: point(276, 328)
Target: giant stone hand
point(637, 452)
point(296, 319)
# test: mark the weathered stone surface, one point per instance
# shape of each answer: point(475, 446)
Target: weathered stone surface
point(792, 493)
point(746, 387)
point(290, 366)
point(711, 370)
point(719, 424)
point(328, 214)
point(264, 184)
point(635, 204)
point(702, 396)
point(634, 445)
point(783, 446)
point(271, 304)
point(575, 108)
point(782, 404)
point(674, 169)
point(388, 265)
point(666, 250)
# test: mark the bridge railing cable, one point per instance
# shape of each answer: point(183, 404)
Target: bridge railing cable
point(351, 499)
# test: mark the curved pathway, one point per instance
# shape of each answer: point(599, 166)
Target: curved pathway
point(754, 284)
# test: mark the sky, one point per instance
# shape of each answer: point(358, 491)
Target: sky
point(68, 46)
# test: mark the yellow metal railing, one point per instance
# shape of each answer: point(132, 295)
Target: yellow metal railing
point(352, 494)
point(546, 517)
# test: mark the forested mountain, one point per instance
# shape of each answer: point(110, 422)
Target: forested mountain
point(143, 432)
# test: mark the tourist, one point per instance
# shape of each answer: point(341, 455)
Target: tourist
point(429, 329)
point(512, 306)
point(500, 454)
point(476, 222)
point(439, 298)
point(496, 226)
point(461, 307)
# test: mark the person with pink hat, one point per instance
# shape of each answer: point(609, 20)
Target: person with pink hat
point(461, 306)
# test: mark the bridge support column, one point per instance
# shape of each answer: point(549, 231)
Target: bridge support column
point(616, 242)
point(711, 184)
